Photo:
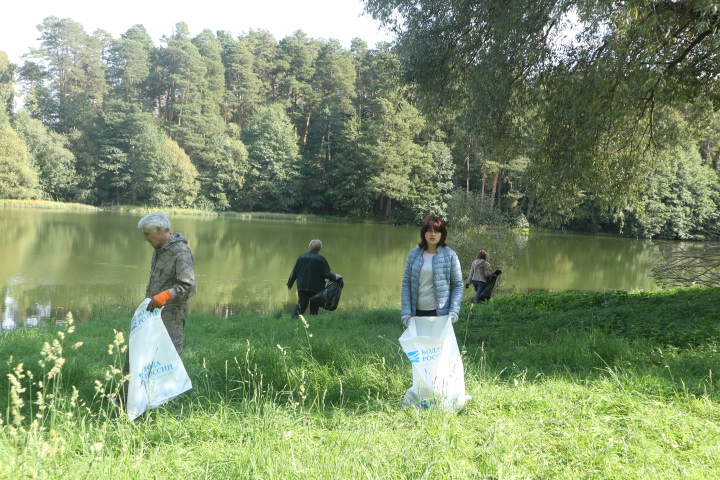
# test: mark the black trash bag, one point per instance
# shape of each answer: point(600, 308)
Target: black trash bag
point(484, 295)
point(330, 296)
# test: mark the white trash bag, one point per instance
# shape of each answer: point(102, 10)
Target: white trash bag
point(437, 368)
point(157, 375)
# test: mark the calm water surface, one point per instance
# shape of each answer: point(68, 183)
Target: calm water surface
point(57, 262)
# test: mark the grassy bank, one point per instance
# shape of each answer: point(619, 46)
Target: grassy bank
point(142, 210)
point(45, 205)
point(615, 386)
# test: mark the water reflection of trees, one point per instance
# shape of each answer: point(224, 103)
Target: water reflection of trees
point(95, 263)
point(587, 263)
point(17, 312)
point(688, 264)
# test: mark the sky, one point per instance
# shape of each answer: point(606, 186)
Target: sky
point(321, 19)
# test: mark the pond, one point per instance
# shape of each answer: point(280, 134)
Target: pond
point(54, 262)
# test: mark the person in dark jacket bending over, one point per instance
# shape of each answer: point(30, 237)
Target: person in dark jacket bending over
point(311, 270)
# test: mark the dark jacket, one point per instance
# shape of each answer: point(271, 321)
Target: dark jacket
point(311, 270)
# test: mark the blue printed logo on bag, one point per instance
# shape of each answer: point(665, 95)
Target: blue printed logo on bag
point(139, 319)
point(153, 369)
point(430, 354)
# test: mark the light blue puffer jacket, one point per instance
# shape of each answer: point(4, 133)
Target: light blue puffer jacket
point(447, 279)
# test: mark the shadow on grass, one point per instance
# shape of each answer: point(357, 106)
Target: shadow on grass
point(666, 342)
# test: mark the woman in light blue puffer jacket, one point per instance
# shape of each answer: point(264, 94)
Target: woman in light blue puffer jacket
point(432, 284)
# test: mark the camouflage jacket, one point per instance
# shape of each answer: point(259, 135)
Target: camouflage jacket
point(172, 269)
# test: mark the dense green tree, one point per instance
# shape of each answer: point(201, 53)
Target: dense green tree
point(49, 154)
point(129, 65)
point(33, 88)
point(479, 95)
point(334, 81)
point(263, 47)
point(375, 70)
point(157, 170)
point(592, 87)
point(18, 178)
point(704, 121)
point(65, 88)
point(434, 183)
point(243, 87)
point(363, 74)
point(210, 51)
point(347, 191)
point(148, 164)
point(223, 170)
point(273, 156)
point(470, 158)
point(72, 64)
point(324, 115)
point(394, 156)
point(296, 65)
point(683, 194)
point(182, 185)
point(341, 183)
point(682, 189)
point(7, 85)
point(183, 92)
point(106, 175)
point(136, 163)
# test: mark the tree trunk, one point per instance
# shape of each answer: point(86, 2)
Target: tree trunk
point(307, 130)
point(499, 187)
point(531, 204)
point(494, 189)
point(482, 188)
point(387, 207)
point(241, 121)
point(327, 143)
point(467, 168)
point(467, 174)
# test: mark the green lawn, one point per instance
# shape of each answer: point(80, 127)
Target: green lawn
point(564, 386)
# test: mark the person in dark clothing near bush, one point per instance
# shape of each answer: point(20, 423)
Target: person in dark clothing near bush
point(310, 272)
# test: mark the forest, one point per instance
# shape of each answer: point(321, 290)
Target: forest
point(499, 117)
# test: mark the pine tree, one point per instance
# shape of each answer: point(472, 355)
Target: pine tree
point(242, 83)
point(273, 155)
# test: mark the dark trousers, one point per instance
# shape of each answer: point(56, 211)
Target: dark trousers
point(303, 300)
point(479, 287)
point(426, 313)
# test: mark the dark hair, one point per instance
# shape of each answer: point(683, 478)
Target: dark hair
point(432, 222)
point(482, 255)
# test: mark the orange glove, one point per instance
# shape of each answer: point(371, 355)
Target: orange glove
point(159, 300)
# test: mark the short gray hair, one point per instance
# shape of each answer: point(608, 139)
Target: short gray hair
point(315, 245)
point(153, 221)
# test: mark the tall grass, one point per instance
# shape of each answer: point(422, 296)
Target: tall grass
point(44, 205)
point(564, 386)
point(145, 209)
point(294, 217)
